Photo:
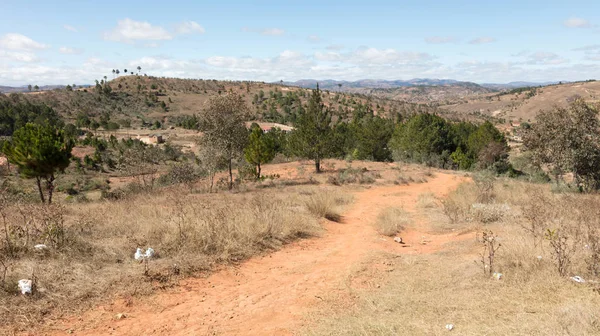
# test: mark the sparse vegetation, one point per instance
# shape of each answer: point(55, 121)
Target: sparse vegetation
point(391, 221)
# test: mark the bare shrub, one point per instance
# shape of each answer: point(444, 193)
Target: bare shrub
point(485, 186)
point(488, 213)
point(491, 245)
point(563, 247)
point(427, 201)
point(537, 211)
point(353, 175)
point(391, 221)
point(457, 204)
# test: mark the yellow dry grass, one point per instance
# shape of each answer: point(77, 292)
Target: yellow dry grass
point(420, 294)
point(391, 221)
point(189, 232)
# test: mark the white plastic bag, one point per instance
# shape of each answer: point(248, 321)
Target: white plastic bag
point(25, 286)
point(139, 255)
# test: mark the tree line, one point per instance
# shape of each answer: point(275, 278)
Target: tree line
point(41, 145)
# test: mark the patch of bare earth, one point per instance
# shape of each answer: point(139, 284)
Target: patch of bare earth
point(271, 295)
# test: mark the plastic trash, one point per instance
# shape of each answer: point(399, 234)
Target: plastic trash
point(578, 279)
point(539, 257)
point(398, 240)
point(449, 326)
point(139, 255)
point(498, 276)
point(25, 286)
point(40, 247)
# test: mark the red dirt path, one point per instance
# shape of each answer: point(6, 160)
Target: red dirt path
point(269, 295)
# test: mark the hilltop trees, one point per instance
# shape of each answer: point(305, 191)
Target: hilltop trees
point(430, 139)
point(568, 140)
point(312, 138)
point(222, 122)
point(260, 149)
point(39, 151)
point(16, 115)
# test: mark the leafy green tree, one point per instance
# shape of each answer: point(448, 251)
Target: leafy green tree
point(568, 140)
point(423, 135)
point(36, 88)
point(16, 115)
point(485, 134)
point(222, 122)
point(312, 138)
point(39, 151)
point(372, 136)
point(260, 149)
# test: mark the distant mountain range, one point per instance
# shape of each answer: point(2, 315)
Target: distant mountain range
point(330, 84)
point(15, 89)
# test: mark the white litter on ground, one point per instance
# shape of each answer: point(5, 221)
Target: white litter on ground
point(25, 286)
point(139, 255)
point(577, 278)
point(449, 326)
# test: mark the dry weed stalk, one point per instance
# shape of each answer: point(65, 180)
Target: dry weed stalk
point(491, 245)
point(562, 250)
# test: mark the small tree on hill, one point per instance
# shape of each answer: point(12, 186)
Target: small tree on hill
point(568, 140)
point(260, 149)
point(39, 151)
point(222, 122)
point(312, 138)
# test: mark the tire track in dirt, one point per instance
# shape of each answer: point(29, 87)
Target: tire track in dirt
point(269, 295)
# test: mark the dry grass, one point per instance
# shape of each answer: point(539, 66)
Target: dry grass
point(420, 294)
point(391, 221)
point(189, 232)
point(327, 204)
point(427, 201)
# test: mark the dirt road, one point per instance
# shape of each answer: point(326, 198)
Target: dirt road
point(270, 295)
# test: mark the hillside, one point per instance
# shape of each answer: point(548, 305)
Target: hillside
point(524, 103)
point(330, 84)
point(425, 94)
point(140, 100)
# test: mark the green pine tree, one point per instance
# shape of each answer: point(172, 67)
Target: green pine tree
point(260, 149)
point(39, 151)
point(312, 139)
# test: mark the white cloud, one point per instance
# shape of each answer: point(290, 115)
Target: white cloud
point(328, 56)
point(188, 27)
point(545, 58)
point(386, 56)
point(592, 47)
point(128, 31)
point(273, 32)
point(18, 56)
point(482, 40)
point(575, 22)
point(20, 42)
point(70, 51)
point(335, 47)
point(265, 31)
point(71, 28)
point(314, 38)
point(440, 39)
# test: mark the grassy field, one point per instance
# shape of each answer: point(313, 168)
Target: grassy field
point(419, 294)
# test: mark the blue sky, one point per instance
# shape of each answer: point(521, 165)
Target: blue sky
point(62, 42)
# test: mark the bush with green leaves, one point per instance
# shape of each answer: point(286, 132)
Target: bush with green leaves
point(39, 151)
